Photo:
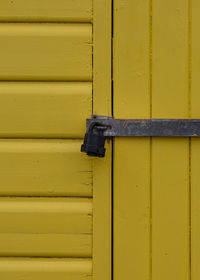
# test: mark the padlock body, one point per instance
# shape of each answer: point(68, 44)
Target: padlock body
point(94, 145)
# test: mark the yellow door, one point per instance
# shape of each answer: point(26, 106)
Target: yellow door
point(55, 202)
point(156, 181)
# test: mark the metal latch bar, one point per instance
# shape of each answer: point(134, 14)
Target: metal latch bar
point(100, 127)
point(147, 127)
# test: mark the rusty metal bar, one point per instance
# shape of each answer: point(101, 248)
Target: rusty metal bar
point(147, 127)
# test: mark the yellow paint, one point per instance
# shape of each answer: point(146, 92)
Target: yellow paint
point(195, 143)
point(45, 215)
point(53, 227)
point(131, 155)
point(102, 168)
point(170, 157)
point(55, 202)
point(102, 59)
point(170, 59)
point(46, 10)
point(45, 245)
point(51, 269)
point(46, 51)
point(44, 168)
point(170, 208)
point(44, 109)
point(156, 181)
point(131, 59)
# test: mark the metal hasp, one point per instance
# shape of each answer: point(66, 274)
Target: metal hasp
point(142, 128)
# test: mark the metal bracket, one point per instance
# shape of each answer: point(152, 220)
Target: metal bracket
point(147, 127)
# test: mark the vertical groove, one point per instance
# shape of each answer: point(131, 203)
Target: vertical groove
point(112, 57)
point(150, 55)
point(93, 58)
point(112, 155)
point(150, 209)
point(150, 160)
point(190, 218)
point(190, 143)
point(189, 57)
point(112, 214)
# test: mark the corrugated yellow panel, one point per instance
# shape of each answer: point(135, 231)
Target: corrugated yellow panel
point(131, 155)
point(44, 168)
point(195, 143)
point(170, 157)
point(45, 227)
point(46, 10)
point(44, 109)
point(40, 269)
point(45, 51)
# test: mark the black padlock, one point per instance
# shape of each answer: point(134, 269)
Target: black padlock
point(94, 141)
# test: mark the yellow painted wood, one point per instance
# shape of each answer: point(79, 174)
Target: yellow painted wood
point(46, 70)
point(170, 157)
point(156, 68)
point(45, 51)
point(29, 109)
point(51, 269)
point(131, 59)
point(46, 10)
point(170, 59)
point(195, 214)
point(102, 61)
point(44, 168)
point(102, 169)
point(194, 59)
point(49, 227)
point(131, 208)
point(45, 245)
point(131, 155)
point(45, 215)
point(170, 209)
point(102, 216)
point(195, 143)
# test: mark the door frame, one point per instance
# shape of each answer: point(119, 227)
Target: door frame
point(102, 168)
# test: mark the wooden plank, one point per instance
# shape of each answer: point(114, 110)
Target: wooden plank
point(131, 156)
point(195, 57)
point(46, 10)
point(44, 168)
point(131, 66)
point(102, 66)
point(44, 109)
point(195, 143)
point(170, 59)
point(56, 227)
point(131, 208)
point(45, 215)
point(46, 51)
point(43, 269)
point(170, 212)
point(45, 245)
point(170, 157)
point(102, 168)
point(195, 198)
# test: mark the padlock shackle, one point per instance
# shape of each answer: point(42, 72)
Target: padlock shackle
point(92, 126)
